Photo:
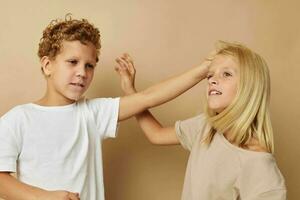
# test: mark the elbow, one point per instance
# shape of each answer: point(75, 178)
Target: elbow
point(155, 140)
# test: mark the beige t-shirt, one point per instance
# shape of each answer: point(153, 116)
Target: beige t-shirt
point(222, 171)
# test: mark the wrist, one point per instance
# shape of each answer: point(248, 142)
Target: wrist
point(38, 194)
point(130, 91)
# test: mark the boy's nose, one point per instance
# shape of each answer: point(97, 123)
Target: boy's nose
point(81, 72)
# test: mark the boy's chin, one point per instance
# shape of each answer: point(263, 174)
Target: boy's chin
point(74, 97)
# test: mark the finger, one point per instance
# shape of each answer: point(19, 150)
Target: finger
point(117, 69)
point(211, 55)
point(127, 66)
point(121, 62)
point(128, 57)
point(130, 64)
point(127, 60)
point(73, 196)
point(122, 66)
point(122, 71)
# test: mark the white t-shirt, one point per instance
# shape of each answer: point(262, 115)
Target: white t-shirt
point(59, 148)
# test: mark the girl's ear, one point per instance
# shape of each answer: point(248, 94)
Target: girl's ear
point(45, 62)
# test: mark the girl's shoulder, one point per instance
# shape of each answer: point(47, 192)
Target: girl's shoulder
point(259, 173)
point(253, 145)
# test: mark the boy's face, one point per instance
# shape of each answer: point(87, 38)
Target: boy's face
point(223, 78)
point(71, 71)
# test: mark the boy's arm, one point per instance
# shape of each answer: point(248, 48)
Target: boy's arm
point(11, 189)
point(154, 131)
point(159, 93)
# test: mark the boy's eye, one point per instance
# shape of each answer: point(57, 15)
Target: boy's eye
point(73, 62)
point(208, 76)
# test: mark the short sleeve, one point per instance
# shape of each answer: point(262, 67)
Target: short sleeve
point(105, 112)
point(270, 195)
point(8, 148)
point(189, 129)
point(261, 179)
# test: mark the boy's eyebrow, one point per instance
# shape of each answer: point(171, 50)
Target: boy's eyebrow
point(76, 58)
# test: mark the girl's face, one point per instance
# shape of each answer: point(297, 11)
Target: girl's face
point(223, 78)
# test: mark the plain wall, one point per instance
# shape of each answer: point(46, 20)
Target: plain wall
point(165, 38)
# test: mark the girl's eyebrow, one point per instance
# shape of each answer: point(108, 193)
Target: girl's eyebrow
point(230, 68)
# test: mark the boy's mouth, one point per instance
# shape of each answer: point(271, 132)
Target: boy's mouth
point(77, 84)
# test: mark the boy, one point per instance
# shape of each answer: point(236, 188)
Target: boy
point(54, 144)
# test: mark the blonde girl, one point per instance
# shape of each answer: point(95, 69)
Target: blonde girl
point(231, 144)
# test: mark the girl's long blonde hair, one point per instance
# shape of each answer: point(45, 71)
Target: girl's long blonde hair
point(248, 115)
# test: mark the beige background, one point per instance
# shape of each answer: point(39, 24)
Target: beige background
point(165, 37)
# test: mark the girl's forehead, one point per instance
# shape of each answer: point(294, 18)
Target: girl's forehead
point(224, 62)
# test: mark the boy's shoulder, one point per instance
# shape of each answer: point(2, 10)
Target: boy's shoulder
point(99, 102)
point(15, 112)
point(15, 117)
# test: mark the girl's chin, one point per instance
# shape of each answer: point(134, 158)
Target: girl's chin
point(216, 110)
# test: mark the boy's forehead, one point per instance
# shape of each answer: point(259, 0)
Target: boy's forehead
point(77, 48)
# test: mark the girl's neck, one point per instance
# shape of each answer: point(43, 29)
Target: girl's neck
point(252, 145)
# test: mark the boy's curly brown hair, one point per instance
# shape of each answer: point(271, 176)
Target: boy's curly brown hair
point(68, 29)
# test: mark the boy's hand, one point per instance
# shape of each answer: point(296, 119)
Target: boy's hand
point(207, 61)
point(59, 195)
point(126, 70)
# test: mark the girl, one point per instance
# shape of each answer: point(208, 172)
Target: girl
point(231, 144)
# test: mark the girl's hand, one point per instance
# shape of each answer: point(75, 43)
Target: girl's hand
point(59, 195)
point(126, 70)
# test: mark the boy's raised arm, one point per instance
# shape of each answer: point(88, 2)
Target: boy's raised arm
point(159, 93)
point(154, 131)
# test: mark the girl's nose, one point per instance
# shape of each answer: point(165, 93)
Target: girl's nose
point(213, 80)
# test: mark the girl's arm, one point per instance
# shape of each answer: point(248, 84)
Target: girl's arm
point(159, 93)
point(154, 131)
point(11, 189)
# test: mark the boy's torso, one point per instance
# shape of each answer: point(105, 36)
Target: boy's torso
point(59, 149)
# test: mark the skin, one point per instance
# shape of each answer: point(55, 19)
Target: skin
point(69, 74)
point(222, 75)
point(154, 131)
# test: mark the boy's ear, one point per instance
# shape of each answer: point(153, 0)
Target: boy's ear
point(45, 62)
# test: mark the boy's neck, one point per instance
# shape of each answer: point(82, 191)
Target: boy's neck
point(47, 101)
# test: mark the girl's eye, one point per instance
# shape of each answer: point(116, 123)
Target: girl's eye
point(90, 66)
point(226, 74)
point(208, 76)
